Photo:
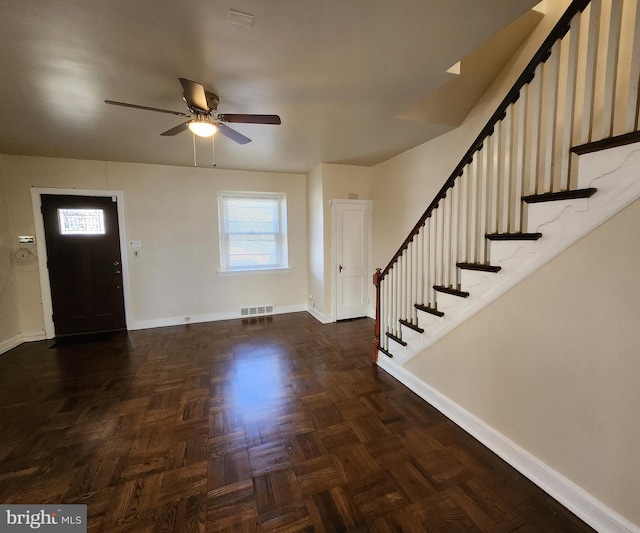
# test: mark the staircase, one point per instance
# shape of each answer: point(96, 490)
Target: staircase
point(528, 187)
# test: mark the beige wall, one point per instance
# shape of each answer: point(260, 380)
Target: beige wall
point(9, 314)
point(328, 182)
point(173, 211)
point(561, 377)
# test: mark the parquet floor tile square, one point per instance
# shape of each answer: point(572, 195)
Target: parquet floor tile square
point(278, 424)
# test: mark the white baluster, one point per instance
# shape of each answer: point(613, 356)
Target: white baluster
point(446, 239)
point(504, 173)
point(454, 235)
point(534, 110)
point(493, 147)
point(402, 296)
point(519, 147)
point(590, 62)
point(608, 76)
point(570, 47)
point(384, 311)
point(480, 217)
point(439, 243)
point(549, 114)
point(431, 265)
point(463, 240)
point(420, 272)
point(473, 196)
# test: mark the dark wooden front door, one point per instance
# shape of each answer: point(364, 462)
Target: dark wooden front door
point(84, 262)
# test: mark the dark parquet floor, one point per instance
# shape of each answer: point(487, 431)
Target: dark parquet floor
point(278, 424)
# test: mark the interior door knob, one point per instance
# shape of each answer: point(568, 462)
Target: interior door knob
point(340, 268)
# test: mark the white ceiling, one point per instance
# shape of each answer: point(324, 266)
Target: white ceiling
point(338, 72)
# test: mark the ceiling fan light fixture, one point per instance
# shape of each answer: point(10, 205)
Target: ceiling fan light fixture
point(202, 128)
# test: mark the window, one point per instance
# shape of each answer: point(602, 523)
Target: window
point(81, 221)
point(253, 231)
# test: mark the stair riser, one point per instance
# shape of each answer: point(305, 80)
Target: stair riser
point(451, 305)
point(540, 214)
point(410, 335)
point(501, 251)
point(477, 282)
point(397, 349)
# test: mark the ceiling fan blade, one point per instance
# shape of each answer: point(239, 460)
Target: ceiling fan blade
point(146, 108)
point(194, 94)
point(233, 134)
point(178, 129)
point(251, 119)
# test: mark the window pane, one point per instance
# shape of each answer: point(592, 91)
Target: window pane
point(252, 231)
point(252, 216)
point(81, 221)
point(252, 250)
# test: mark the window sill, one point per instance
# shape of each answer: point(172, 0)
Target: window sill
point(283, 270)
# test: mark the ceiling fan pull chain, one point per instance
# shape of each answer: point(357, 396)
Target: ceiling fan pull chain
point(195, 162)
point(213, 149)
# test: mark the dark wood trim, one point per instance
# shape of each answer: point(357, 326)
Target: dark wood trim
point(410, 325)
point(376, 339)
point(479, 266)
point(387, 353)
point(513, 236)
point(560, 195)
point(427, 309)
point(558, 32)
point(394, 338)
point(610, 142)
point(451, 290)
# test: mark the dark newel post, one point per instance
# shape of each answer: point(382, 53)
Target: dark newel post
point(376, 340)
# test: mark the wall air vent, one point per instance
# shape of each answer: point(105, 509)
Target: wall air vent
point(256, 310)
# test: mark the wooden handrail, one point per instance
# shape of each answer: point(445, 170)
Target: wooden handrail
point(543, 53)
point(376, 340)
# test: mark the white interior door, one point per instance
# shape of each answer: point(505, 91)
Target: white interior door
point(352, 220)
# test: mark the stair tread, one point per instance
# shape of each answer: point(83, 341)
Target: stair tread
point(427, 309)
point(560, 195)
point(479, 266)
point(513, 236)
point(410, 325)
point(397, 339)
point(452, 291)
point(604, 144)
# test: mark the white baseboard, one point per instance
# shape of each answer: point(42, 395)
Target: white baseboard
point(210, 317)
point(17, 340)
point(11, 343)
point(320, 317)
point(32, 336)
point(577, 500)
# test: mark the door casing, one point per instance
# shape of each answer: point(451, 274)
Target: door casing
point(41, 247)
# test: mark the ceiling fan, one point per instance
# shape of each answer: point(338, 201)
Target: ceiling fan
point(205, 120)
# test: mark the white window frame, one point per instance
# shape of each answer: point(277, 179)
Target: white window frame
point(281, 236)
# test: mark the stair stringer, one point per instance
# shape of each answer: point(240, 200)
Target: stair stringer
point(614, 172)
